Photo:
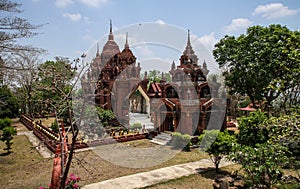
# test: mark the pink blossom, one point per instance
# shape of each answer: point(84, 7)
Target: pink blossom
point(78, 179)
point(75, 185)
point(41, 187)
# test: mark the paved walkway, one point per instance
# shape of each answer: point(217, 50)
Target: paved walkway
point(144, 179)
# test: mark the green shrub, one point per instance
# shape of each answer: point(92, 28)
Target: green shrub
point(54, 127)
point(5, 122)
point(217, 144)
point(181, 141)
point(263, 163)
point(250, 130)
point(136, 126)
point(8, 132)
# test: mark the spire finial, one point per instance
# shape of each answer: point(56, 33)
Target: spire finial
point(110, 36)
point(189, 39)
point(110, 26)
point(97, 47)
point(126, 43)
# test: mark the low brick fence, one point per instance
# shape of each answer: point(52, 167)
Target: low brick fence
point(51, 139)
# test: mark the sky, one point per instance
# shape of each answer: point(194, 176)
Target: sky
point(157, 29)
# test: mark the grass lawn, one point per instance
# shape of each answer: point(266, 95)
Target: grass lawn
point(25, 168)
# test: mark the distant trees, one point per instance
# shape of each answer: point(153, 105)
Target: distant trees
point(17, 61)
point(9, 105)
point(156, 75)
point(263, 64)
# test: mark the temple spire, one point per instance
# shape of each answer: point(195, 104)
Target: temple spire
point(126, 43)
point(98, 53)
point(110, 28)
point(189, 39)
point(110, 36)
point(189, 50)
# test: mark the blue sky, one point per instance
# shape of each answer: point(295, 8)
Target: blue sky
point(73, 26)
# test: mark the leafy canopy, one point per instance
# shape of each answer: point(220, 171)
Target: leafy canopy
point(262, 64)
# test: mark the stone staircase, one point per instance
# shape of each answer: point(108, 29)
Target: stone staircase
point(141, 118)
point(162, 138)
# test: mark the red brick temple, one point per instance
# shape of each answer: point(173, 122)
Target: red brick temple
point(187, 104)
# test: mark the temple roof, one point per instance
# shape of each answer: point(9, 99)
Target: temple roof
point(111, 47)
point(189, 50)
point(126, 52)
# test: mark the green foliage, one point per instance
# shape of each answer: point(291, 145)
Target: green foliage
point(105, 116)
point(181, 141)
point(7, 133)
point(250, 130)
point(53, 86)
point(156, 75)
point(284, 130)
point(217, 144)
point(267, 145)
point(9, 105)
point(6, 122)
point(262, 64)
point(262, 164)
point(54, 126)
point(136, 126)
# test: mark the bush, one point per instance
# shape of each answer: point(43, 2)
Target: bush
point(7, 133)
point(251, 131)
point(136, 126)
point(217, 144)
point(181, 141)
point(4, 123)
point(262, 164)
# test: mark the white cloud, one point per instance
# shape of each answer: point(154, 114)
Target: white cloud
point(208, 40)
point(144, 52)
point(93, 3)
point(86, 20)
point(274, 10)
point(160, 21)
point(237, 25)
point(63, 3)
point(72, 16)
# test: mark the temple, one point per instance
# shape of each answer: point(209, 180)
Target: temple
point(187, 104)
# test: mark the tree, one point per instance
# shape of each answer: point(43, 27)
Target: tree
point(13, 28)
point(25, 75)
point(9, 106)
point(156, 75)
point(262, 64)
point(105, 115)
point(53, 82)
point(217, 144)
point(7, 133)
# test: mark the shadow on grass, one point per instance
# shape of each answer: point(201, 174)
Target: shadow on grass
point(5, 153)
point(210, 172)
